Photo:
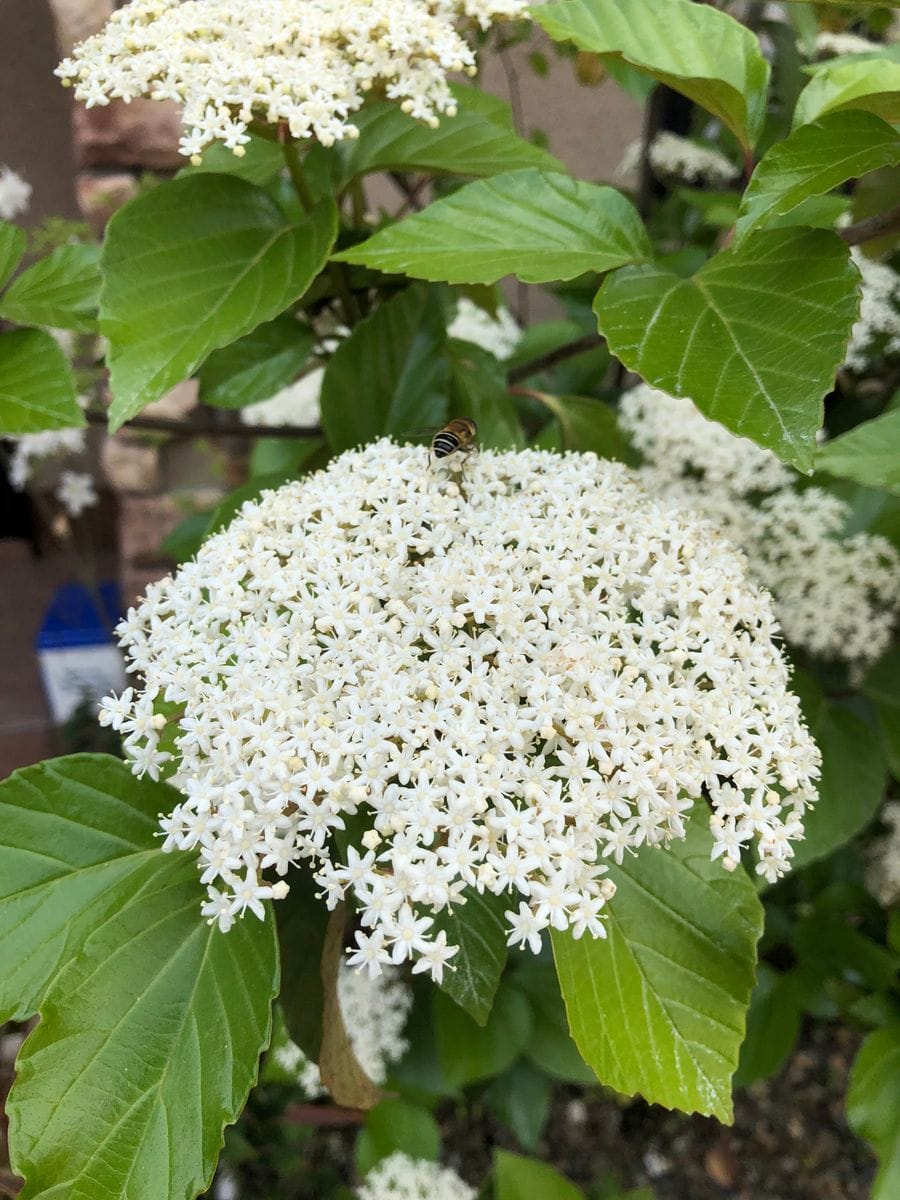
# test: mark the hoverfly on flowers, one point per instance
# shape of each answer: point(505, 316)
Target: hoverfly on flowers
point(456, 437)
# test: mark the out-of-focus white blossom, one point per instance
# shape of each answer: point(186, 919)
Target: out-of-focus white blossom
point(32, 448)
point(306, 63)
point(830, 43)
point(674, 157)
point(675, 437)
point(400, 1177)
point(504, 681)
point(76, 492)
point(883, 871)
point(15, 194)
point(374, 1012)
point(498, 335)
point(296, 404)
point(835, 597)
point(878, 329)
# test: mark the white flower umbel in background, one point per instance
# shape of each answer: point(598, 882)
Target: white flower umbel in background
point(836, 597)
point(296, 404)
point(400, 1177)
point(15, 194)
point(503, 681)
point(33, 448)
point(829, 43)
point(674, 157)
point(374, 1012)
point(499, 335)
point(883, 872)
point(306, 63)
point(76, 492)
point(877, 332)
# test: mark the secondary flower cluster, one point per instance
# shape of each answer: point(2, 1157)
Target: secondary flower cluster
point(877, 331)
point(400, 1177)
point(374, 1012)
point(306, 63)
point(674, 157)
point(883, 872)
point(499, 680)
point(836, 597)
point(15, 194)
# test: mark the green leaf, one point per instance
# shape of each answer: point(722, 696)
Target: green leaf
point(853, 778)
point(520, 1098)
point(190, 267)
point(388, 376)
point(550, 1046)
point(468, 1051)
point(529, 1179)
point(869, 83)
point(472, 98)
point(812, 161)
point(151, 1020)
point(285, 456)
point(773, 1025)
point(658, 1006)
point(868, 454)
point(479, 390)
point(882, 686)
point(702, 53)
point(302, 921)
point(873, 1105)
point(468, 144)
point(12, 247)
point(186, 538)
point(828, 946)
point(62, 291)
point(533, 224)
point(477, 927)
point(37, 387)
point(256, 366)
point(261, 163)
point(397, 1125)
point(590, 425)
point(754, 338)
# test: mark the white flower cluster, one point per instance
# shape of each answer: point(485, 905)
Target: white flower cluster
point(878, 329)
point(829, 43)
point(15, 194)
point(674, 157)
point(400, 1177)
point(835, 597)
point(307, 64)
point(499, 335)
point(492, 684)
point(300, 402)
point(883, 872)
point(32, 448)
point(374, 1012)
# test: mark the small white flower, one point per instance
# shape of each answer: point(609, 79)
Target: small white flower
point(400, 1177)
point(76, 492)
point(15, 194)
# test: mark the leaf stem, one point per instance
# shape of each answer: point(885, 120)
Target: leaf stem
point(870, 228)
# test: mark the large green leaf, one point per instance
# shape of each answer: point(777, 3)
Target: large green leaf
point(477, 927)
point(256, 366)
point(550, 1046)
point(868, 454)
point(37, 387)
point(12, 246)
point(302, 921)
point(537, 225)
point(479, 390)
point(260, 163)
point(754, 338)
point(873, 1105)
point(812, 161)
point(394, 1125)
point(658, 1006)
point(62, 290)
point(468, 1051)
point(773, 1024)
point(530, 1179)
point(882, 686)
point(191, 267)
point(869, 83)
point(521, 1098)
point(151, 1020)
point(468, 144)
point(388, 376)
point(853, 778)
point(702, 53)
